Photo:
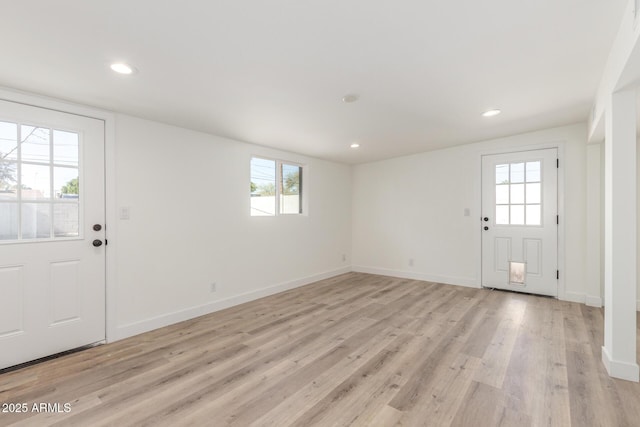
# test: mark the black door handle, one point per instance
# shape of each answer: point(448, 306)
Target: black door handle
point(486, 219)
point(486, 228)
point(97, 243)
point(97, 227)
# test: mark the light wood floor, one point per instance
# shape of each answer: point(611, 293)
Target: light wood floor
point(356, 349)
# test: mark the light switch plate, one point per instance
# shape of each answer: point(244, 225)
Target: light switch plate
point(125, 212)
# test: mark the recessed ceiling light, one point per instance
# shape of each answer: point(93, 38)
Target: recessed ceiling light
point(122, 68)
point(349, 98)
point(491, 113)
point(354, 145)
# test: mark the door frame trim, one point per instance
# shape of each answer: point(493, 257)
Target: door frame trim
point(515, 148)
point(109, 118)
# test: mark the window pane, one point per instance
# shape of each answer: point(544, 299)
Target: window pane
point(517, 172)
point(533, 171)
point(65, 183)
point(517, 214)
point(65, 220)
point(290, 200)
point(502, 174)
point(65, 148)
point(502, 215)
point(263, 187)
point(8, 220)
point(8, 141)
point(35, 182)
point(8, 176)
point(533, 193)
point(502, 194)
point(517, 193)
point(533, 215)
point(35, 144)
point(36, 222)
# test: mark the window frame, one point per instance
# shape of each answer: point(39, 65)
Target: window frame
point(279, 186)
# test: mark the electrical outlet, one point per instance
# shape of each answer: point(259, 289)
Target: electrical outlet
point(214, 287)
point(410, 262)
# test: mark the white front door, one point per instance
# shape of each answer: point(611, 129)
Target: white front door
point(519, 221)
point(52, 253)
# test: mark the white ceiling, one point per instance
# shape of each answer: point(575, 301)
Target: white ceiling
point(274, 72)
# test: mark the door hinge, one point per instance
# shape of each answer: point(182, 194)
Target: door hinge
point(558, 274)
point(557, 219)
point(106, 242)
point(557, 163)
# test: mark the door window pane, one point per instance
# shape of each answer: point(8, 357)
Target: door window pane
point(517, 193)
point(517, 214)
point(8, 176)
point(36, 221)
point(502, 174)
point(263, 187)
point(517, 172)
point(9, 220)
point(502, 215)
point(502, 194)
point(35, 182)
point(35, 144)
point(65, 183)
point(8, 141)
point(65, 148)
point(533, 171)
point(65, 220)
point(533, 193)
point(533, 215)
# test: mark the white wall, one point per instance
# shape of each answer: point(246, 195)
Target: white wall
point(412, 207)
point(638, 222)
point(190, 225)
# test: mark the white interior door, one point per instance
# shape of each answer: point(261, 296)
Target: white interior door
point(52, 277)
point(519, 221)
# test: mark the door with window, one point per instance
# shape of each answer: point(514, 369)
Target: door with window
point(52, 254)
point(519, 221)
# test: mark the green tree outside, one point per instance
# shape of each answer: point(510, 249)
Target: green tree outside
point(71, 187)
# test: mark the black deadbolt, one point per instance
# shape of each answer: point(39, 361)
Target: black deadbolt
point(486, 218)
point(97, 227)
point(97, 243)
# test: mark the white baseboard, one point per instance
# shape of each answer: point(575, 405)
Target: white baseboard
point(590, 300)
point(623, 370)
point(460, 281)
point(593, 301)
point(161, 321)
point(573, 297)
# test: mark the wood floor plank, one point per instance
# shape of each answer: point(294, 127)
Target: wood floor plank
point(355, 349)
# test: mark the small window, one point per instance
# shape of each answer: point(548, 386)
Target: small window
point(290, 195)
point(276, 187)
point(263, 187)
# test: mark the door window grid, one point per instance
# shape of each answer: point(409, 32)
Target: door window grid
point(39, 183)
point(518, 193)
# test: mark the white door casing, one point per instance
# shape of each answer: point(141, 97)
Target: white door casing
point(52, 277)
point(519, 221)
